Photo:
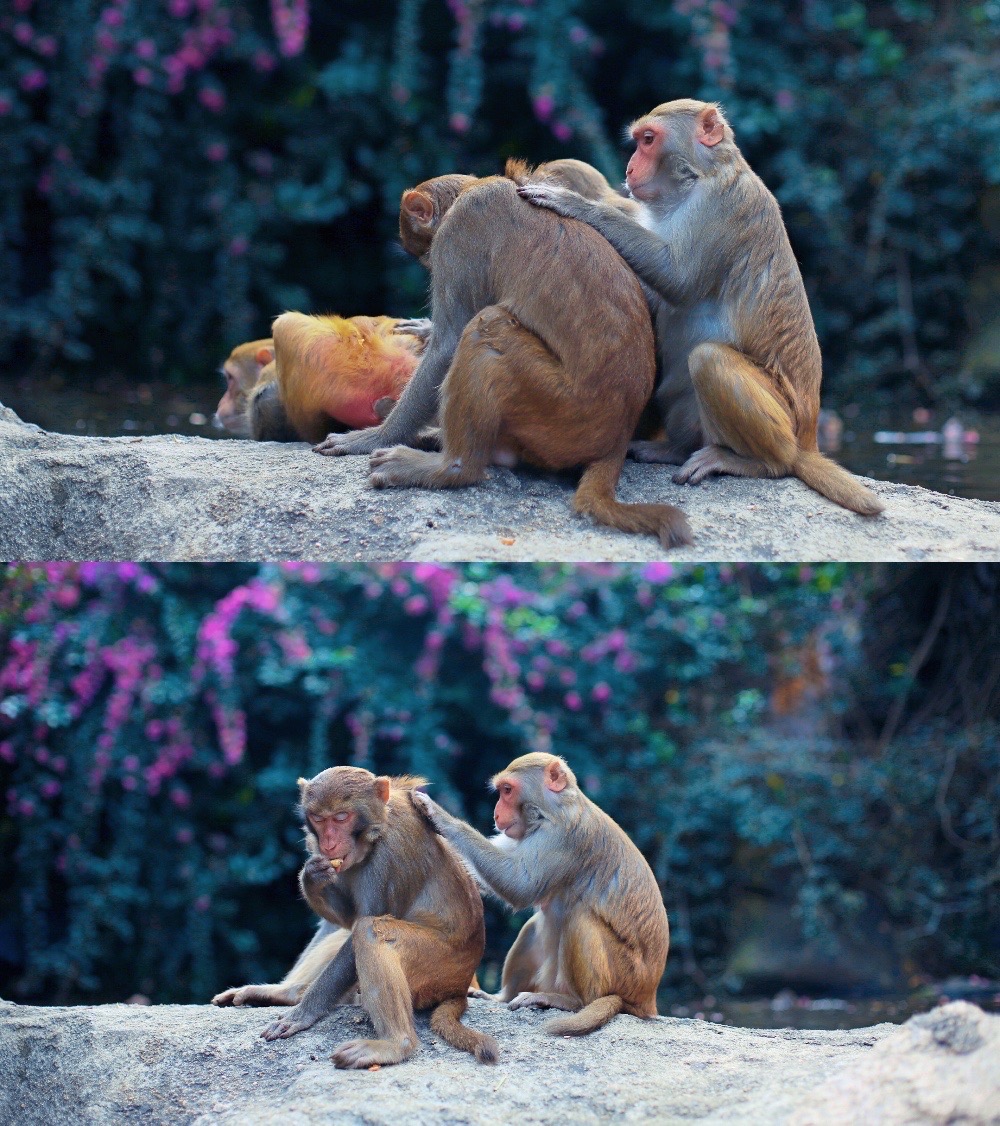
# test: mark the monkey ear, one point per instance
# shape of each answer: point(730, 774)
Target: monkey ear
point(555, 777)
point(419, 206)
point(710, 127)
point(382, 787)
point(264, 356)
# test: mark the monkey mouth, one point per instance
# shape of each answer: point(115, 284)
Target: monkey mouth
point(337, 863)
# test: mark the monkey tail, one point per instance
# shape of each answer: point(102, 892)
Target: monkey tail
point(446, 1023)
point(590, 1018)
point(595, 497)
point(835, 483)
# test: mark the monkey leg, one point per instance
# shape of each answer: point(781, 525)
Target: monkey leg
point(748, 429)
point(285, 993)
point(523, 965)
point(656, 452)
point(400, 965)
point(472, 410)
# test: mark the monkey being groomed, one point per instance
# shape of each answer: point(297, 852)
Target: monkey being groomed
point(541, 349)
point(741, 362)
point(597, 942)
point(316, 373)
point(411, 917)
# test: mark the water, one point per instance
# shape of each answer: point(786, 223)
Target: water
point(117, 407)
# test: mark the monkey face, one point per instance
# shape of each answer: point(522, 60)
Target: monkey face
point(247, 366)
point(508, 814)
point(344, 808)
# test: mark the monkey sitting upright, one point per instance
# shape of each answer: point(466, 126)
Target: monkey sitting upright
point(741, 362)
point(413, 913)
point(597, 942)
point(317, 373)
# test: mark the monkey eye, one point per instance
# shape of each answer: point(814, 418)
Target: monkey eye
point(648, 138)
point(341, 816)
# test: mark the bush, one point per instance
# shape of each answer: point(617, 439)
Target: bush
point(177, 173)
point(153, 721)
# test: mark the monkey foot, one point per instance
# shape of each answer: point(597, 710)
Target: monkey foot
point(367, 1053)
point(353, 442)
point(658, 453)
point(483, 995)
point(404, 467)
point(288, 1025)
point(530, 1001)
point(704, 463)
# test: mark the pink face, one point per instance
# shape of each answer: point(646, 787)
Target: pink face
point(507, 813)
point(334, 834)
point(648, 135)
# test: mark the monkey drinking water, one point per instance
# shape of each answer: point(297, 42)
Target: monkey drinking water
point(597, 942)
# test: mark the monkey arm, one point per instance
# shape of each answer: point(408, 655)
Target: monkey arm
point(507, 874)
point(417, 406)
point(325, 893)
point(321, 997)
point(645, 252)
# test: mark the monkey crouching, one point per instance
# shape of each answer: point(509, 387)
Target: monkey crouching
point(597, 942)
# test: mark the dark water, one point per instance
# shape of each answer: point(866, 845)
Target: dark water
point(115, 407)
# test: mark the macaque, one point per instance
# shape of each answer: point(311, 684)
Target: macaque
point(597, 942)
point(741, 362)
point(317, 373)
point(322, 949)
point(413, 912)
point(541, 349)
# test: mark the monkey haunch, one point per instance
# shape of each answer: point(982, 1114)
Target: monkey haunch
point(597, 943)
point(414, 915)
point(740, 389)
point(316, 373)
point(541, 348)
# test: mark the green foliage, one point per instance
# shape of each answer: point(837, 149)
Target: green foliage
point(173, 177)
point(153, 721)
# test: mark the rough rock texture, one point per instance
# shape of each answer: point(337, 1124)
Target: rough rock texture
point(193, 1063)
point(174, 498)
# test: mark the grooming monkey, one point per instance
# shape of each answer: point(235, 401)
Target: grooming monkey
point(412, 909)
point(541, 349)
point(597, 942)
point(741, 363)
point(316, 373)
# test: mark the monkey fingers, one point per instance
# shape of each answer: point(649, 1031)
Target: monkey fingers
point(353, 442)
point(711, 460)
point(405, 467)
point(420, 327)
point(560, 200)
point(298, 1020)
point(429, 809)
point(259, 995)
point(544, 1001)
point(367, 1053)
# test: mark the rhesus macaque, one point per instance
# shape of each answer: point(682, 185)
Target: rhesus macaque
point(413, 911)
point(541, 349)
point(322, 949)
point(741, 363)
point(597, 942)
point(317, 373)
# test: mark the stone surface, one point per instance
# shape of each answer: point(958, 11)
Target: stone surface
point(173, 498)
point(198, 1064)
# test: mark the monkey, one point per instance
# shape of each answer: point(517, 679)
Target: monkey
point(741, 361)
point(321, 950)
point(316, 373)
point(412, 909)
point(597, 943)
point(541, 348)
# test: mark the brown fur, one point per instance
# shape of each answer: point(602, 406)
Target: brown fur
point(542, 349)
point(248, 366)
point(741, 363)
point(597, 942)
point(414, 916)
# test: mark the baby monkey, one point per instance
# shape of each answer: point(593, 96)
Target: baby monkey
point(597, 942)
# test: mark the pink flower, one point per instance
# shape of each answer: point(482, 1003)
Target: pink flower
point(34, 80)
point(658, 572)
point(459, 122)
point(544, 104)
point(216, 151)
point(142, 76)
point(146, 49)
point(601, 692)
point(561, 131)
point(212, 98)
point(573, 701)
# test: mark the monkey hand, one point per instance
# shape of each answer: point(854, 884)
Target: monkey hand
point(429, 809)
point(318, 873)
point(560, 200)
point(353, 442)
point(297, 1020)
point(420, 327)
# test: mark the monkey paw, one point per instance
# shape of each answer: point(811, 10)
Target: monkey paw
point(429, 809)
point(560, 200)
point(704, 463)
point(353, 442)
point(289, 1024)
point(254, 995)
point(420, 327)
point(368, 1053)
point(530, 1001)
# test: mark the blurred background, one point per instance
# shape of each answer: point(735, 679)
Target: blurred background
point(809, 758)
point(174, 174)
